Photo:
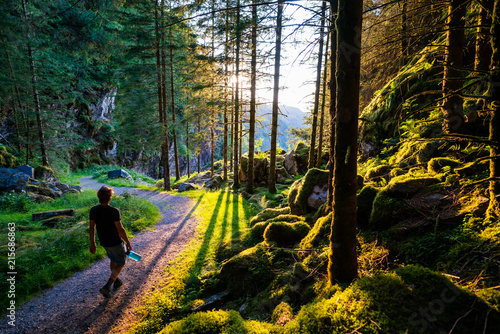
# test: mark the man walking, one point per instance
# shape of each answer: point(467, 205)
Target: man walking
point(111, 235)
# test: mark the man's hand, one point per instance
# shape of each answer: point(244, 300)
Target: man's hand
point(92, 248)
point(129, 246)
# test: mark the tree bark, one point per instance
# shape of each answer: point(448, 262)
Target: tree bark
point(343, 265)
point(314, 127)
point(319, 154)
point(452, 78)
point(494, 135)
point(166, 143)
point(333, 100)
point(187, 149)
point(253, 88)
point(226, 84)
point(274, 122)
point(172, 103)
point(483, 46)
point(236, 182)
point(36, 96)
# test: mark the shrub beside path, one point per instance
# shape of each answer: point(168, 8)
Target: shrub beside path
point(75, 304)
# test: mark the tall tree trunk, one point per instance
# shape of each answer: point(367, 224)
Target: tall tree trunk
point(253, 88)
point(314, 127)
point(158, 74)
point(323, 104)
point(172, 103)
point(226, 84)
point(483, 45)
point(274, 122)
point(212, 99)
point(187, 149)
point(236, 182)
point(405, 52)
point(333, 100)
point(166, 143)
point(199, 144)
point(36, 97)
point(343, 265)
point(452, 78)
point(494, 205)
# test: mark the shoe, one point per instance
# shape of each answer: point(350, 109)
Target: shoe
point(117, 284)
point(105, 292)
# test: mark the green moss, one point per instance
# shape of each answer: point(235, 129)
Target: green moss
point(436, 165)
point(258, 230)
point(218, 322)
point(42, 172)
point(409, 300)
point(286, 218)
point(364, 201)
point(7, 160)
point(269, 214)
point(376, 173)
point(319, 234)
point(415, 152)
point(383, 210)
point(397, 172)
point(285, 234)
point(246, 273)
point(282, 314)
point(407, 185)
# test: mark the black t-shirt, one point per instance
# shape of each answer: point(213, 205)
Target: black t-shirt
point(105, 217)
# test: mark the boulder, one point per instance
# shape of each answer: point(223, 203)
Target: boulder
point(28, 170)
point(67, 188)
point(286, 234)
point(13, 180)
point(281, 174)
point(118, 173)
point(186, 187)
point(214, 183)
point(44, 188)
point(45, 174)
point(309, 193)
point(260, 170)
point(268, 214)
point(409, 186)
point(290, 164)
point(319, 234)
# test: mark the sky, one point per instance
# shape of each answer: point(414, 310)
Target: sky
point(296, 79)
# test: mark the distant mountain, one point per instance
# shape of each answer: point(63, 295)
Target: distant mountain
point(288, 117)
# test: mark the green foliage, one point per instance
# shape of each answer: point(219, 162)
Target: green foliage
point(14, 202)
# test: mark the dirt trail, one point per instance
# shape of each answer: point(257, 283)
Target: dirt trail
point(75, 304)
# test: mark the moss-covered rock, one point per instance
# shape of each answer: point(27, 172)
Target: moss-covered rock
point(384, 210)
point(6, 159)
point(308, 193)
point(415, 152)
point(411, 299)
point(436, 165)
point(215, 322)
point(285, 234)
point(287, 218)
point(45, 173)
point(282, 314)
point(377, 173)
point(319, 234)
point(258, 229)
point(364, 201)
point(409, 186)
point(269, 214)
point(246, 273)
point(260, 170)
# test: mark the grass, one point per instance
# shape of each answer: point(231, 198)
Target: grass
point(46, 255)
point(223, 217)
point(100, 174)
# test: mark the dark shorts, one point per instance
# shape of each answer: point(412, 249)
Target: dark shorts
point(117, 254)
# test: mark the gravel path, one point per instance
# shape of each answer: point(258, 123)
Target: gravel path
point(75, 304)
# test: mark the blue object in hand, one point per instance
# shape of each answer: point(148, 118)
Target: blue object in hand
point(133, 255)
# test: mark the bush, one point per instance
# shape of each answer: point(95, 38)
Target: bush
point(14, 202)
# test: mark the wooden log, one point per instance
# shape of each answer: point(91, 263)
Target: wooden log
point(50, 214)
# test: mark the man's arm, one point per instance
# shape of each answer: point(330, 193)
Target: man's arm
point(92, 247)
point(123, 234)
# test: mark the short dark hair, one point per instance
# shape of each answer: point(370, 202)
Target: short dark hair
point(104, 194)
